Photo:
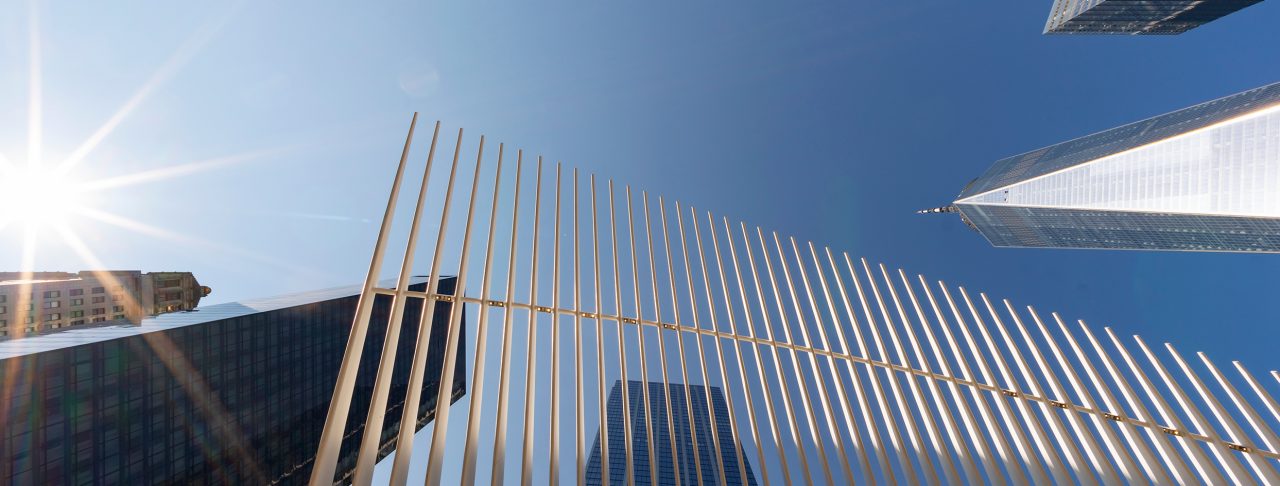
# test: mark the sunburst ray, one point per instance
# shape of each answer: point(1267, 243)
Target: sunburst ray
point(316, 216)
point(149, 230)
point(19, 328)
point(192, 379)
point(183, 169)
point(136, 226)
point(35, 95)
point(92, 261)
point(30, 242)
point(6, 168)
point(171, 66)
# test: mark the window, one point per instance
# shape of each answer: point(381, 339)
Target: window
point(30, 320)
point(52, 304)
point(53, 294)
point(77, 323)
point(75, 292)
point(173, 296)
point(99, 311)
point(99, 290)
point(77, 313)
point(4, 309)
point(99, 319)
point(99, 300)
point(52, 317)
point(169, 282)
point(76, 302)
point(118, 316)
point(116, 297)
point(4, 323)
point(30, 307)
point(3, 298)
point(117, 308)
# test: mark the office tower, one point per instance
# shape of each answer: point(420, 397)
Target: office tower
point(231, 393)
point(688, 429)
point(1204, 178)
point(836, 371)
point(1137, 17)
point(33, 302)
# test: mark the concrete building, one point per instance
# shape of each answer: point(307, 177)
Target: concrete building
point(1137, 17)
point(33, 302)
point(233, 393)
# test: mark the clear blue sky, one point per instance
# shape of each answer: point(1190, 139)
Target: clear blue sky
point(831, 122)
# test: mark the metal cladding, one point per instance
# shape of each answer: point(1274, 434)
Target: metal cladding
point(836, 371)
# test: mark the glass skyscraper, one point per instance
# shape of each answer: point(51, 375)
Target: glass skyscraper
point(1136, 16)
point(233, 393)
point(1204, 178)
point(686, 429)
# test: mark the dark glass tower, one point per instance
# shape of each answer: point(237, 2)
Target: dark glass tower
point(228, 394)
point(1136, 16)
point(1204, 178)
point(700, 424)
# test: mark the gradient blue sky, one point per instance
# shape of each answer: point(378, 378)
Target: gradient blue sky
point(831, 122)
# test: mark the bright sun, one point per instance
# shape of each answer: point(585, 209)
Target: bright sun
point(38, 197)
point(51, 200)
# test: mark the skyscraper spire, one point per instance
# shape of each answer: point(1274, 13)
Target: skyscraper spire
point(940, 209)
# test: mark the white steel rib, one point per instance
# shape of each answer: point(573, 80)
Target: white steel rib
point(762, 361)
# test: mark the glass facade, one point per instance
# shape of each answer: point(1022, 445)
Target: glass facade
point(1229, 169)
point(1136, 16)
point(219, 400)
point(1109, 142)
point(1203, 178)
point(1015, 226)
point(686, 428)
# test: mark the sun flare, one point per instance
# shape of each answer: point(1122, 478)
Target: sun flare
point(37, 197)
point(48, 202)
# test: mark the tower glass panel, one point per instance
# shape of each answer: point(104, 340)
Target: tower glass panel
point(700, 424)
point(1203, 178)
point(1136, 16)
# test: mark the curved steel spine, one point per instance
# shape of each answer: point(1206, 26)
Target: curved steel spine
point(702, 357)
point(482, 335)
point(662, 345)
point(775, 428)
point(1127, 443)
point(498, 469)
point(340, 406)
point(526, 452)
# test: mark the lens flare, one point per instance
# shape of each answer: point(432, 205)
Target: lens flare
point(37, 197)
